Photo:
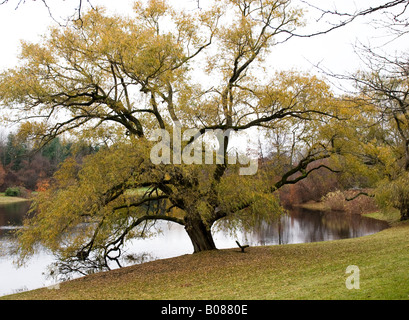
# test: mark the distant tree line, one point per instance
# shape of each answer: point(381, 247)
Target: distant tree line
point(22, 165)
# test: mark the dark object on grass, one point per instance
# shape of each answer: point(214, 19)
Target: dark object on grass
point(242, 247)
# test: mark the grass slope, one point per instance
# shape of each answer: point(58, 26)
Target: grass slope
point(300, 271)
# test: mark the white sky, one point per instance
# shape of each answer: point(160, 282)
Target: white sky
point(334, 51)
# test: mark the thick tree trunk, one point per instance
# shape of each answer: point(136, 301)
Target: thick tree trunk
point(200, 235)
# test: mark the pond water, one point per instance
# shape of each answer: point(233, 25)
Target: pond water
point(299, 226)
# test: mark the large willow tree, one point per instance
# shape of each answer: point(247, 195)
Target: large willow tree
point(117, 80)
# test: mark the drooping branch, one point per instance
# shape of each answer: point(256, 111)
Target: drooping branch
point(358, 195)
point(115, 244)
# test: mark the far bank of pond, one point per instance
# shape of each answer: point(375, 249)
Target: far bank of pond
point(7, 200)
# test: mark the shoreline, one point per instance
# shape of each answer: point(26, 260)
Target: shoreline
point(391, 216)
point(4, 200)
point(313, 206)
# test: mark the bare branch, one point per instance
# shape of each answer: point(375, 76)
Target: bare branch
point(349, 17)
point(77, 15)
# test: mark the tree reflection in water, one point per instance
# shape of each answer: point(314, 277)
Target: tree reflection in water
point(302, 226)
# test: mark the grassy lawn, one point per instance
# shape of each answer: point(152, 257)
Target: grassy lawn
point(314, 206)
point(297, 271)
point(6, 200)
point(390, 216)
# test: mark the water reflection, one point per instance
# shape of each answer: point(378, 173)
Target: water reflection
point(302, 226)
point(299, 226)
point(11, 216)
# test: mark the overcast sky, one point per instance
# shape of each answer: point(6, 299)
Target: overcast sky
point(334, 51)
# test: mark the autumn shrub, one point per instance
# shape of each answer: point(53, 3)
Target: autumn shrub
point(24, 193)
point(351, 201)
point(42, 185)
point(335, 201)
